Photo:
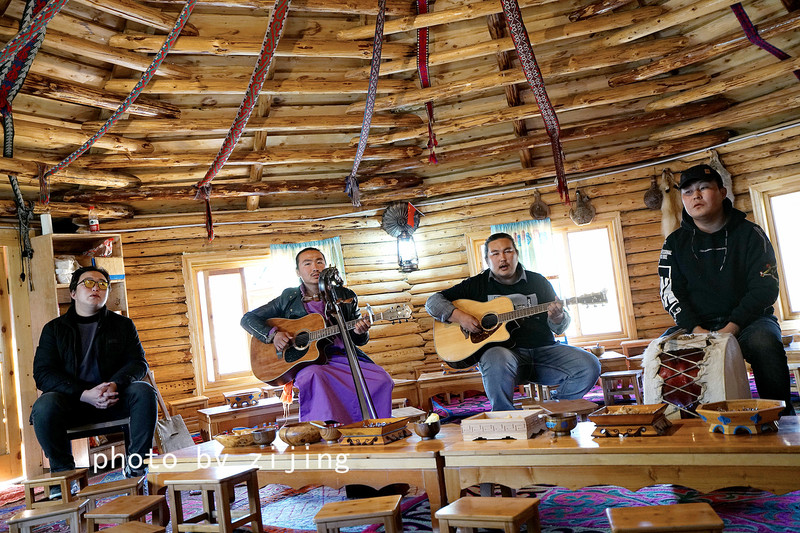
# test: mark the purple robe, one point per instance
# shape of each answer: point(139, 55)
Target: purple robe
point(327, 392)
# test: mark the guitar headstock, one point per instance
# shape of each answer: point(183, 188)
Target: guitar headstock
point(593, 298)
point(397, 313)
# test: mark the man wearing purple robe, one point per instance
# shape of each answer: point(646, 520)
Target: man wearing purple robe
point(327, 391)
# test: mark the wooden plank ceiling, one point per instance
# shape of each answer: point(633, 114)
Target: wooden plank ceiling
point(632, 81)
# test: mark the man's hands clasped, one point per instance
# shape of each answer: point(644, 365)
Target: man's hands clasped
point(101, 396)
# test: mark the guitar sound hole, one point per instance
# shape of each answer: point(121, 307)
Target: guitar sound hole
point(301, 340)
point(489, 321)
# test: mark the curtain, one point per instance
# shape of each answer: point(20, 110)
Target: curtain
point(283, 265)
point(534, 242)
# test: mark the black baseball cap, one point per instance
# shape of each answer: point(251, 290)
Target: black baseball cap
point(698, 173)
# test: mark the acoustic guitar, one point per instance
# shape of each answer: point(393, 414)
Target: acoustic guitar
point(461, 349)
point(276, 368)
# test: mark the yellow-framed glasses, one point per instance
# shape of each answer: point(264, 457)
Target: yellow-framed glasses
point(89, 283)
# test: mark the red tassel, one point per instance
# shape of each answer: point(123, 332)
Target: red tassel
point(411, 212)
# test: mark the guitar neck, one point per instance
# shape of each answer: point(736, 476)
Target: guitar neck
point(524, 312)
point(330, 331)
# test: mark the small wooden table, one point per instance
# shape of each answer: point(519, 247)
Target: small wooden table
point(612, 361)
point(411, 460)
point(214, 420)
point(687, 455)
point(581, 407)
point(433, 383)
point(406, 388)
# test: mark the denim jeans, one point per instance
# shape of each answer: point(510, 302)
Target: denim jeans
point(575, 371)
point(54, 412)
point(761, 346)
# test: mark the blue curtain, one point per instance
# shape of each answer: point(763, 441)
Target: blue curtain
point(534, 242)
point(282, 258)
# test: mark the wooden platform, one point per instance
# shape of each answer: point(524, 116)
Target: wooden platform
point(215, 420)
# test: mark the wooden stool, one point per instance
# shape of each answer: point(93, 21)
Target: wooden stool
point(381, 510)
point(216, 485)
point(135, 527)
point(507, 514)
point(128, 509)
point(64, 479)
point(794, 369)
point(24, 521)
point(622, 382)
point(684, 517)
point(122, 487)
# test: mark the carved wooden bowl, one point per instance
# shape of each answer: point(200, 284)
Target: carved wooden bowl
point(299, 434)
point(427, 431)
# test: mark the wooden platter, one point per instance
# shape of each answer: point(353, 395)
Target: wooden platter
point(646, 420)
point(749, 417)
point(374, 431)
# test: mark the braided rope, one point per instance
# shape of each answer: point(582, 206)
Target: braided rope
point(534, 76)
point(424, 77)
point(137, 89)
point(752, 35)
point(273, 35)
point(31, 30)
point(351, 183)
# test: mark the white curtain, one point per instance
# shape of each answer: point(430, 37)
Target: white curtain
point(535, 244)
point(284, 267)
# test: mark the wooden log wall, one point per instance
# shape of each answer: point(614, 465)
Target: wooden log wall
point(157, 298)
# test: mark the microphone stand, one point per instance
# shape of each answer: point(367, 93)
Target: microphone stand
point(328, 281)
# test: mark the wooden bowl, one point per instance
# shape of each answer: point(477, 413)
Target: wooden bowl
point(597, 350)
point(330, 434)
point(560, 423)
point(787, 339)
point(741, 416)
point(229, 440)
point(299, 434)
point(427, 431)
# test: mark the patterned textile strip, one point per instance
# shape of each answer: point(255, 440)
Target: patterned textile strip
point(519, 34)
point(752, 35)
point(424, 77)
point(13, 71)
point(137, 89)
point(351, 183)
point(273, 35)
point(31, 30)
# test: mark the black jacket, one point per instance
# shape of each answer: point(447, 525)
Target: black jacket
point(57, 360)
point(709, 279)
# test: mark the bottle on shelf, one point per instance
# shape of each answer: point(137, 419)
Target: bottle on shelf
point(94, 222)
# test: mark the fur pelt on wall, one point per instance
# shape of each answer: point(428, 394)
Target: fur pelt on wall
point(671, 206)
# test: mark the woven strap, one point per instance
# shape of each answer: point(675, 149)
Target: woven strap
point(31, 30)
point(137, 90)
point(528, 61)
point(424, 77)
point(275, 27)
point(351, 183)
point(752, 35)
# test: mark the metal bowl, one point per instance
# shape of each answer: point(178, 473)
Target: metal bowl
point(560, 423)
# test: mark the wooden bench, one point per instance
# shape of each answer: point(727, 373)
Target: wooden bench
point(63, 479)
point(188, 409)
point(622, 383)
point(128, 509)
point(366, 511)
point(430, 384)
point(406, 388)
point(684, 518)
point(121, 487)
point(25, 521)
point(506, 514)
point(215, 420)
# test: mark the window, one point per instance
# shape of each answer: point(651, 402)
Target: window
point(579, 260)
point(775, 209)
point(221, 288)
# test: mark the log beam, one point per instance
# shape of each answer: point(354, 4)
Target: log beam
point(136, 12)
point(269, 124)
point(356, 7)
point(78, 93)
point(56, 135)
point(272, 87)
point(597, 8)
point(28, 174)
point(236, 190)
point(61, 209)
point(150, 44)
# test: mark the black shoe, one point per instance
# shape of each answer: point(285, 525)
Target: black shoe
point(55, 492)
point(357, 492)
point(134, 472)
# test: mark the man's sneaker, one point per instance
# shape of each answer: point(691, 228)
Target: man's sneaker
point(134, 472)
point(55, 492)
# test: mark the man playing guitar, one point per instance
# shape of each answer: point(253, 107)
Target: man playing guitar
point(327, 391)
point(535, 356)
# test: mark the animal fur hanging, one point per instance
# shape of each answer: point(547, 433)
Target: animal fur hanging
point(727, 179)
point(671, 207)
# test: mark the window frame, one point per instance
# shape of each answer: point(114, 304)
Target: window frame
point(612, 223)
point(760, 195)
point(192, 265)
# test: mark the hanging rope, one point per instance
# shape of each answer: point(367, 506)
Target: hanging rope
point(752, 35)
point(351, 182)
point(137, 90)
point(31, 30)
point(273, 35)
point(525, 52)
point(15, 63)
point(424, 77)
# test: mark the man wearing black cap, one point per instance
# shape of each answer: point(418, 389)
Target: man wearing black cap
point(718, 273)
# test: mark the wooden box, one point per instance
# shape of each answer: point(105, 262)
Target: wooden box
point(503, 424)
point(114, 265)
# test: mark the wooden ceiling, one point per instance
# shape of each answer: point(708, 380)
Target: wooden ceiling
point(632, 82)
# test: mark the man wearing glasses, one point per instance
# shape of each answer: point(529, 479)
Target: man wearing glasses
point(88, 365)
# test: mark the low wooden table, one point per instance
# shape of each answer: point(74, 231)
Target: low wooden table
point(612, 361)
point(214, 420)
point(410, 460)
point(581, 407)
point(433, 383)
point(687, 455)
point(406, 388)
